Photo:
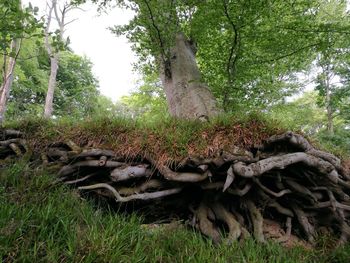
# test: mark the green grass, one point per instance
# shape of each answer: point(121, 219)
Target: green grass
point(41, 221)
point(170, 139)
point(171, 136)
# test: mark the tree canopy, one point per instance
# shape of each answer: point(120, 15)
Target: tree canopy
point(249, 51)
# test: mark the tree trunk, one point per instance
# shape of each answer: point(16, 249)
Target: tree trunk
point(187, 96)
point(60, 16)
point(51, 88)
point(8, 78)
point(330, 128)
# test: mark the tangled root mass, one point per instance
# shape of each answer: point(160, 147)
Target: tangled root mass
point(284, 189)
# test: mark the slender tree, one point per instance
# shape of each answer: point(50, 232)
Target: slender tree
point(8, 74)
point(16, 23)
point(53, 47)
point(332, 60)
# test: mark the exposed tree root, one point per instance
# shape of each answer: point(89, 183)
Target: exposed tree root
point(280, 190)
point(234, 228)
point(205, 224)
point(257, 220)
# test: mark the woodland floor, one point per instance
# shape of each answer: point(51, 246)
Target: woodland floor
point(227, 181)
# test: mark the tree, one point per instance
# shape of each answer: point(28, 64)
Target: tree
point(332, 61)
point(160, 28)
point(30, 82)
point(77, 87)
point(249, 52)
point(76, 91)
point(16, 24)
point(173, 52)
point(53, 48)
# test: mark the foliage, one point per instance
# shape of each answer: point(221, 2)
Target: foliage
point(305, 114)
point(16, 23)
point(301, 114)
point(30, 82)
point(249, 52)
point(339, 142)
point(77, 87)
point(147, 101)
point(333, 62)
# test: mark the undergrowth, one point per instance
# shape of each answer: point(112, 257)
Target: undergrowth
point(42, 221)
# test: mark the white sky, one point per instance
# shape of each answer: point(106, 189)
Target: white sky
point(111, 55)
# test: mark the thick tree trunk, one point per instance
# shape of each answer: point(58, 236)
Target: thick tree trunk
point(187, 96)
point(8, 78)
point(51, 88)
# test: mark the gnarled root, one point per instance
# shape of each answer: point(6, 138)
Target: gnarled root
point(271, 185)
point(12, 144)
point(257, 220)
point(233, 226)
point(285, 184)
point(205, 225)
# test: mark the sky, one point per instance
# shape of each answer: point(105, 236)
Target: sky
point(111, 56)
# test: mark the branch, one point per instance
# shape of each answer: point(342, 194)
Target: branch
point(230, 68)
point(183, 177)
point(69, 22)
point(158, 32)
point(150, 184)
point(288, 54)
point(257, 221)
point(300, 142)
point(267, 190)
point(315, 30)
point(96, 152)
point(235, 40)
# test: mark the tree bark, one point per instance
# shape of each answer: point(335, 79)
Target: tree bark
point(330, 128)
point(187, 96)
point(51, 87)
point(8, 78)
point(60, 16)
point(48, 108)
